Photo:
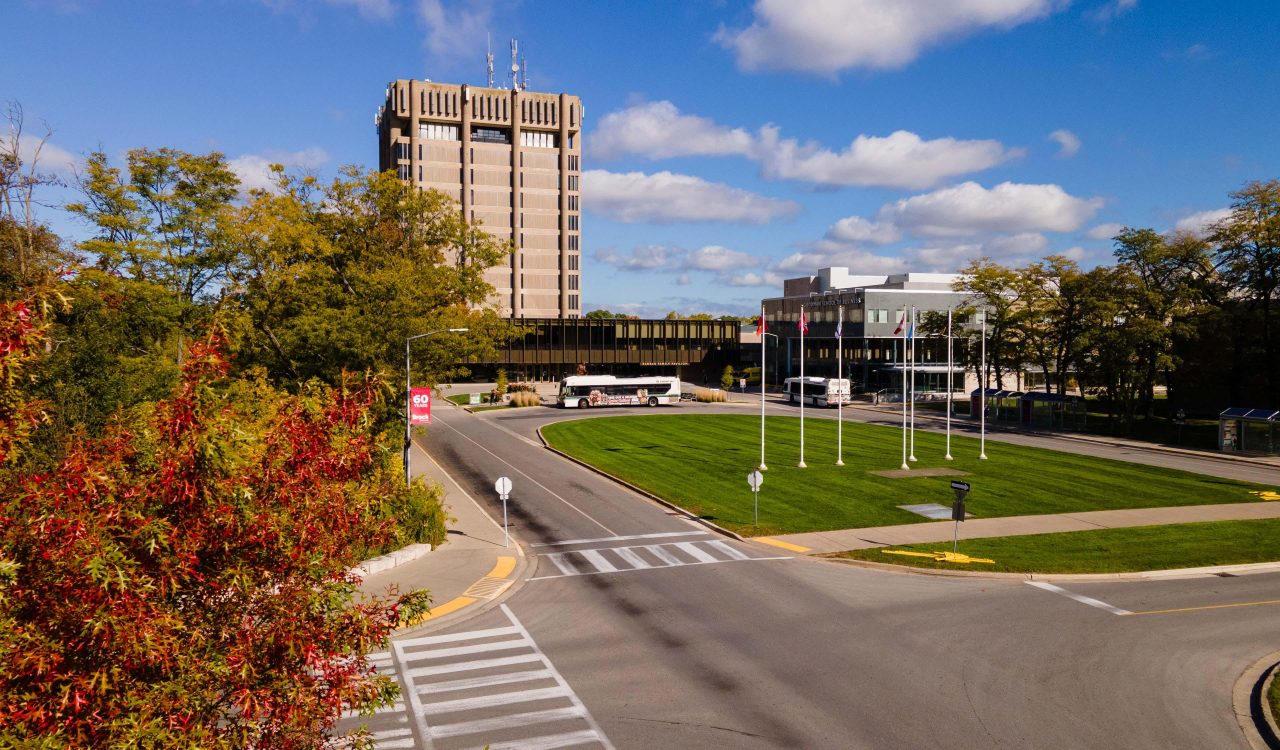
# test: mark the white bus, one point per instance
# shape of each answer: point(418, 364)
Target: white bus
point(583, 391)
point(818, 391)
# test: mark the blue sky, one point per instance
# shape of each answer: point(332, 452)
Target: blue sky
point(728, 145)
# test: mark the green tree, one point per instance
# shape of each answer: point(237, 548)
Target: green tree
point(1000, 294)
point(726, 377)
point(603, 314)
point(701, 316)
point(337, 277)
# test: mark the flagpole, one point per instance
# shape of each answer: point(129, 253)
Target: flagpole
point(913, 337)
point(982, 450)
point(950, 385)
point(905, 465)
point(804, 325)
point(763, 338)
point(839, 386)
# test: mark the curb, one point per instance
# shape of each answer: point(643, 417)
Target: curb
point(486, 591)
point(639, 491)
point(1145, 575)
point(391, 560)
point(1249, 703)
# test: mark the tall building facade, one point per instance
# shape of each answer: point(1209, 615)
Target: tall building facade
point(512, 159)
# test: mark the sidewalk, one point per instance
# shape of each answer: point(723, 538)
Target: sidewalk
point(819, 542)
point(470, 569)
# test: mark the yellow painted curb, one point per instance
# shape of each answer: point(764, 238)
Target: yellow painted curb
point(780, 543)
point(485, 588)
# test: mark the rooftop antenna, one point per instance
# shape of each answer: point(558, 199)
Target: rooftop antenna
point(524, 74)
point(489, 56)
point(515, 65)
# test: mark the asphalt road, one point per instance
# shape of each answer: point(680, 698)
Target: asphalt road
point(637, 628)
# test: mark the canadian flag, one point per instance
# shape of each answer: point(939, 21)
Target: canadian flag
point(804, 322)
point(901, 323)
point(760, 326)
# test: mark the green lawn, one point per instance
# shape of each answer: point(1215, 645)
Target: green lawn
point(701, 461)
point(1186, 545)
point(462, 399)
point(1275, 698)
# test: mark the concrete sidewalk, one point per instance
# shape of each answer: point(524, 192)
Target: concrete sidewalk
point(470, 569)
point(819, 542)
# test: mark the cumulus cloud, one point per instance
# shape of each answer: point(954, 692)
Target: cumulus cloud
point(824, 255)
point(767, 278)
point(455, 28)
point(1068, 143)
point(970, 209)
point(254, 170)
point(857, 229)
point(377, 10)
point(1104, 231)
point(657, 130)
point(48, 157)
point(641, 258)
point(827, 36)
point(1112, 10)
point(664, 197)
point(1201, 221)
point(717, 258)
point(901, 160)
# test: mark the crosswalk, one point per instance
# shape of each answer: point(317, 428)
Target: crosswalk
point(618, 559)
point(492, 687)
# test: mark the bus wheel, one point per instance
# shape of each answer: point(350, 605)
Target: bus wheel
point(582, 403)
point(653, 401)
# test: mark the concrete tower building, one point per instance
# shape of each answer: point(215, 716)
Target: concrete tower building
point(511, 158)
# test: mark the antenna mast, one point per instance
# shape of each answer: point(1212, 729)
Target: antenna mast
point(489, 57)
point(515, 64)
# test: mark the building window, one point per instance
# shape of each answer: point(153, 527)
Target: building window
point(573, 262)
point(491, 135)
point(877, 316)
point(434, 132)
point(573, 242)
point(536, 139)
point(573, 203)
point(573, 302)
point(573, 223)
point(573, 281)
point(570, 141)
point(402, 171)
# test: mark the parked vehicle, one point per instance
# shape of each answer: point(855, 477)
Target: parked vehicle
point(817, 391)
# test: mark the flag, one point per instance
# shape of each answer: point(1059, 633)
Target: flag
point(760, 326)
point(911, 329)
point(901, 323)
point(840, 329)
point(804, 322)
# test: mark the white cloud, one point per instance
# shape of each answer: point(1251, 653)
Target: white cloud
point(254, 170)
point(1076, 253)
point(1012, 245)
point(827, 36)
point(682, 280)
point(376, 10)
point(456, 28)
point(823, 256)
point(1199, 222)
point(642, 258)
point(1112, 10)
point(664, 197)
point(768, 278)
point(657, 130)
point(901, 160)
point(1104, 231)
point(858, 229)
point(717, 258)
point(48, 157)
point(970, 209)
point(1068, 143)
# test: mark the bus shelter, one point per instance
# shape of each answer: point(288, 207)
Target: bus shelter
point(1252, 431)
point(1001, 405)
point(1053, 411)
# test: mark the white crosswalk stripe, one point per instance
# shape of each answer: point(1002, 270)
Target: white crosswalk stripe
point(491, 687)
point(643, 557)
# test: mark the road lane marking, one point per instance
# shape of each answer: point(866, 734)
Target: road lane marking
point(780, 543)
point(1207, 606)
point(601, 540)
point(1080, 598)
point(526, 476)
point(628, 559)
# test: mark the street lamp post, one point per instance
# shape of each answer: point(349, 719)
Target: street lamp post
point(408, 388)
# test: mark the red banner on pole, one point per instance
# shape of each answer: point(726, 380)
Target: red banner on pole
point(420, 406)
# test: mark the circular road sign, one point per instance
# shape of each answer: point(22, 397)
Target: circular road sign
point(503, 486)
point(755, 479)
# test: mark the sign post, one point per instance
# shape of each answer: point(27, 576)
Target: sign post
point(957, 509)
point(503, 486)
point(755, 479)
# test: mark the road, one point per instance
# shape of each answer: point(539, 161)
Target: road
point(639, 628)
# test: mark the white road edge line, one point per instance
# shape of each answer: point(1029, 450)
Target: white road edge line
point(1080, 598)
point(526, 476)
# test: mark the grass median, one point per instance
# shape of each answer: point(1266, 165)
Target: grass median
point(1184, 545)
point(701, 461)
